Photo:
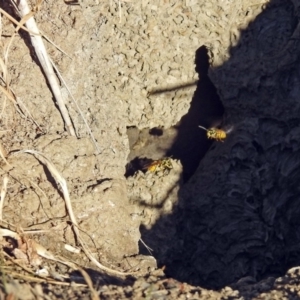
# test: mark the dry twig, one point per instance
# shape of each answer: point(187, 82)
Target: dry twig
point(63, 184)
point(78, 108)
point(2, 194)
point(37, 42)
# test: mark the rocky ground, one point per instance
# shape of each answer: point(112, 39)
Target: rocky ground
point(222, 222)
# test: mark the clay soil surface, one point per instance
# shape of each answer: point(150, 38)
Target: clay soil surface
point(143, 75)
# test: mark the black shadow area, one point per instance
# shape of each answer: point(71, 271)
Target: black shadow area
point(206, 109)
point(213, 238)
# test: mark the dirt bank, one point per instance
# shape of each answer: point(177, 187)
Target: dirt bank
point(145, 75)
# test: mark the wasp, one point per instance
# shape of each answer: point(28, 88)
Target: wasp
point(161, 165)
point(216, 133)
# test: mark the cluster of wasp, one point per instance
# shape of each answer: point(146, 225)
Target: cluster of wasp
point(164, 165)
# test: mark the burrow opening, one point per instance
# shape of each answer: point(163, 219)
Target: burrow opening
point(185, 141)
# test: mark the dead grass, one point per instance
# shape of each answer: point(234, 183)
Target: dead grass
point(50, 70)
point(18, 241)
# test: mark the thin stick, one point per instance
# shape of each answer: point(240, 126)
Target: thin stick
point(88, 280)
point(23, 109)
point(42, 55)
point(146, 246)
point(2, 195)
point(120, 11)
point(78, 108)
point(3, 154)
point(56, 46)
point(63, 184)
point(202, 127)
point(16, 22)
point(6, 89)
point(40, 278)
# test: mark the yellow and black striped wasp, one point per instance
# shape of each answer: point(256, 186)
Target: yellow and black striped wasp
point(163, 165)
point(216, 133)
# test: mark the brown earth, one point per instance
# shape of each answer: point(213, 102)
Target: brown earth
point(223, 223)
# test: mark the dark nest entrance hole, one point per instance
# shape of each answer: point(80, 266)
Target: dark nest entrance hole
point(190, 143)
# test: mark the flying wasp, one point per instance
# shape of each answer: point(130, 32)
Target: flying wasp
point(161, 165)
point(216, 133)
